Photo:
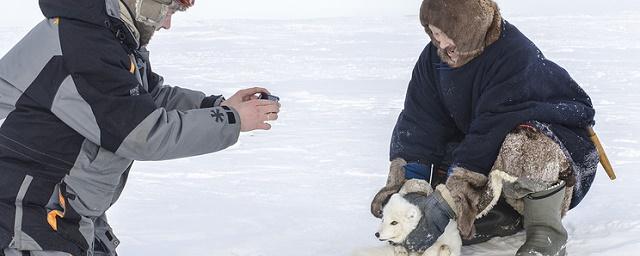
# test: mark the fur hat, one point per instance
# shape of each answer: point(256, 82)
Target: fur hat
point(146, 31)
point(471, 24)
point(150, 14)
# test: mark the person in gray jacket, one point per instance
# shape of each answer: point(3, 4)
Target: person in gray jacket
point(80, 103)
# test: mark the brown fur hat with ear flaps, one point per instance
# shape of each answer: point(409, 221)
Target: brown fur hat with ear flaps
point(471, 24)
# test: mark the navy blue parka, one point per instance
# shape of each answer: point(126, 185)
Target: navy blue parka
point(478, 104)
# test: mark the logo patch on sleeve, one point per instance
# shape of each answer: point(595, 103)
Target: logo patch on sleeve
point(217, 115)
point(135, 91)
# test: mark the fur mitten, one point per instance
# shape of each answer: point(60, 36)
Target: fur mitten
point(394, 182)
point(473, 195)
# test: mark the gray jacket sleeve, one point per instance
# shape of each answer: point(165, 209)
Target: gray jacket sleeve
point(173, 134)
point(103, 100)
point(177, 98)
point(132, 126)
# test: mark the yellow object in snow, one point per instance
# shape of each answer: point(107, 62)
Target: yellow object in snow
point(604, 160)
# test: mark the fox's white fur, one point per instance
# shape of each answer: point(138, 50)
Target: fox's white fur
point(400, 218)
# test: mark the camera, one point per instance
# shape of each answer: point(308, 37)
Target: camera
point(266, 96)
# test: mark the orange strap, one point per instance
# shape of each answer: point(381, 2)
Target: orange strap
point(52, 216)
point(132, 69)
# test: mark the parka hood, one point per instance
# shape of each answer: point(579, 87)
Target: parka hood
point(96, 12)
point(471, 24)
point(102, 13)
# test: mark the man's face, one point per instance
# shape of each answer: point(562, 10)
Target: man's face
point(445, 43)
point(175, 6)
point(166, 23)
point(158, 13)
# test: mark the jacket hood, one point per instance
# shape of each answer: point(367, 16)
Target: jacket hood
point(471, 24)
point(102, 13)
point(96, 12)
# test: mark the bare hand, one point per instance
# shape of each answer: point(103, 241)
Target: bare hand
point(243, 96)
point(253, 112)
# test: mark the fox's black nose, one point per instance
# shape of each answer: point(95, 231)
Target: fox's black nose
point(377, 235)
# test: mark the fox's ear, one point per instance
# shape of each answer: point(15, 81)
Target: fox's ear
point(412, 213)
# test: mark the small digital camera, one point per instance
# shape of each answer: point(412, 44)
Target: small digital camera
point(266, 96)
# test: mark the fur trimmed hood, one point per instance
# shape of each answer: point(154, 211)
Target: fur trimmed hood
point(471, 24)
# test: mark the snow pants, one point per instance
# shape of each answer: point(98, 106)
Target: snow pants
point(100, 248)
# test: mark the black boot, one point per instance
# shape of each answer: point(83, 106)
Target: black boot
point(501, 221)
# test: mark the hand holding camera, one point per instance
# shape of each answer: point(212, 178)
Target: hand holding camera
point(255, 106)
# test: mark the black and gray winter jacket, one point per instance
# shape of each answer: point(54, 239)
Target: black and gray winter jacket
point(80, 103)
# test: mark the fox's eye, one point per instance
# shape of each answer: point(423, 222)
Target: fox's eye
point(393, 223)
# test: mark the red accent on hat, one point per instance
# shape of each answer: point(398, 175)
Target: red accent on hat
point(187, 3)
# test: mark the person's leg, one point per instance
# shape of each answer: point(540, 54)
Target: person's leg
point(105, 243)
point(529, 162)
point(537, 161)
point(539, 193)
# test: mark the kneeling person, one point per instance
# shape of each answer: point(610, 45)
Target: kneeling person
point(483, 99)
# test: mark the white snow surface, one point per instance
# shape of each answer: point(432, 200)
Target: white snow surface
point(304, 187)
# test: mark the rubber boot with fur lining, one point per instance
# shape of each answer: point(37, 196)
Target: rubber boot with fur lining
point(543, 223)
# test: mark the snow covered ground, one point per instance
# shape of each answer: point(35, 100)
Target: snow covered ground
point(304, 187)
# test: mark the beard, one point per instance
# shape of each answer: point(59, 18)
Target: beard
point(444, 56)
point(442, 53)
point(463, 57)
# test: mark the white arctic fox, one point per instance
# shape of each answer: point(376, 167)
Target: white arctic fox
point(400, 219)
